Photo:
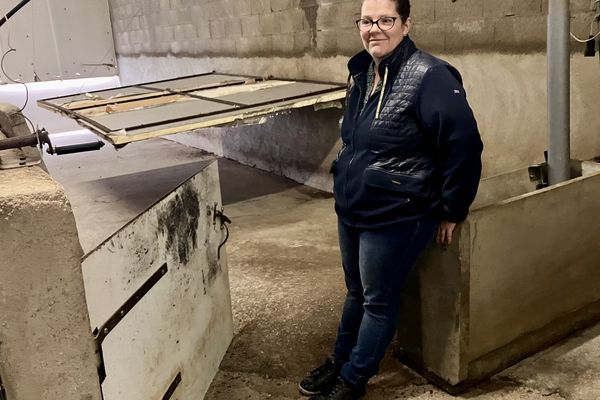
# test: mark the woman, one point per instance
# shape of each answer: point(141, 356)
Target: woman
point(408, 170)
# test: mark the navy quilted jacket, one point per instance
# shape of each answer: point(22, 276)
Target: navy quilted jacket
point(414, 150)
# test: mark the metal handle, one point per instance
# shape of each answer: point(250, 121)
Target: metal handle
point(224, 221)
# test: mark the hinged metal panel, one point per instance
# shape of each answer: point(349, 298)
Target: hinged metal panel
point(161, 290)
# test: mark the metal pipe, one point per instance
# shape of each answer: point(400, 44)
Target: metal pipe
point(13, 11)
point(18, 142)
point(559, 119)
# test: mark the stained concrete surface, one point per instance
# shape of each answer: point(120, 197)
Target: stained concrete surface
point(286, 282)
point(287, 291)
point(108, 188)
point(44, 326)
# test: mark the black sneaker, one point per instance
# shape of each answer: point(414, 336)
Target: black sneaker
point(320, 378)
point(339, 390)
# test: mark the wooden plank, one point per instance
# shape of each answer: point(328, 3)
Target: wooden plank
point(137, 102)
point(131, 105)
point(276, 93)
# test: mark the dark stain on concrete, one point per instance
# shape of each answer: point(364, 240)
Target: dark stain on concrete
point(311, 8)
point(179, 222)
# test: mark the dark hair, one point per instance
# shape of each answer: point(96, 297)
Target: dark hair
point(403, 9)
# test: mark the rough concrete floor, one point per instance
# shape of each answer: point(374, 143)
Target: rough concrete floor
point(287, 291)
point(286, 283)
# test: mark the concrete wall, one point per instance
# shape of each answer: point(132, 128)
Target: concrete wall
point(46, 349)
point(506, 91)
point(299, 144)
point(521, 274)
point(291, 28)
point(498, 45)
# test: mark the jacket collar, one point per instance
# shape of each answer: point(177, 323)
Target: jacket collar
point(361, 61)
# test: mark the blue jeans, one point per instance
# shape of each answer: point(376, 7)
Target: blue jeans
point(376, 263)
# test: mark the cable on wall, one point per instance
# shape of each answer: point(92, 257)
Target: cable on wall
point(595, 20)
point(7, 52)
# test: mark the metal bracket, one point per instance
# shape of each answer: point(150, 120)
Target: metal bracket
point(103, 331)
point(169, 393)
point(539, 174)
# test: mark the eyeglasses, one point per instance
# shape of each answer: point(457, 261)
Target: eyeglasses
point(384, 23)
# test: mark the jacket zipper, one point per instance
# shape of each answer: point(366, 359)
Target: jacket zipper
point(360, 99)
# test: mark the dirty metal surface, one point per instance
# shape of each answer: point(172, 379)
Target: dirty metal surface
point(144, 111)
point(181, 326)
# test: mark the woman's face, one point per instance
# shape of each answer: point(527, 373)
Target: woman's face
point(377, 42)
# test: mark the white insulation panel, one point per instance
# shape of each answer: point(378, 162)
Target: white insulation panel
point(64, 39)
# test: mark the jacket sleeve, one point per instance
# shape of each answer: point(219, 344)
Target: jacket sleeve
point(445, 114)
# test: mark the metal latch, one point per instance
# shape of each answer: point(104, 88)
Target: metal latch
point(224, 221)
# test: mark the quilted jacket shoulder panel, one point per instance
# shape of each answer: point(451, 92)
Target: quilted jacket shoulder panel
point(402, 94)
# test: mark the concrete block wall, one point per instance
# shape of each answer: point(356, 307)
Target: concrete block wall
point(249, 28)
point(498, 45)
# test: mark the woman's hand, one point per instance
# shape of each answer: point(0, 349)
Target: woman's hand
point(444, 233)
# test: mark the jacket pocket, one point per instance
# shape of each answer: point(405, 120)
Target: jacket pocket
point(396, 182)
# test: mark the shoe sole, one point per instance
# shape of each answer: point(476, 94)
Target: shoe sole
point(307, 393)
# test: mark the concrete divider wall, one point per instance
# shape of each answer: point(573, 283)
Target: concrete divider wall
point(533, 259)
point(46, 349)
point(522, 274)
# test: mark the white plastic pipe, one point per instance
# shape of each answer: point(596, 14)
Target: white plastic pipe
point(559, 71)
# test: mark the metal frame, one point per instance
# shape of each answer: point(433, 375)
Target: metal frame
point(144, 85)
point(75, 112)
